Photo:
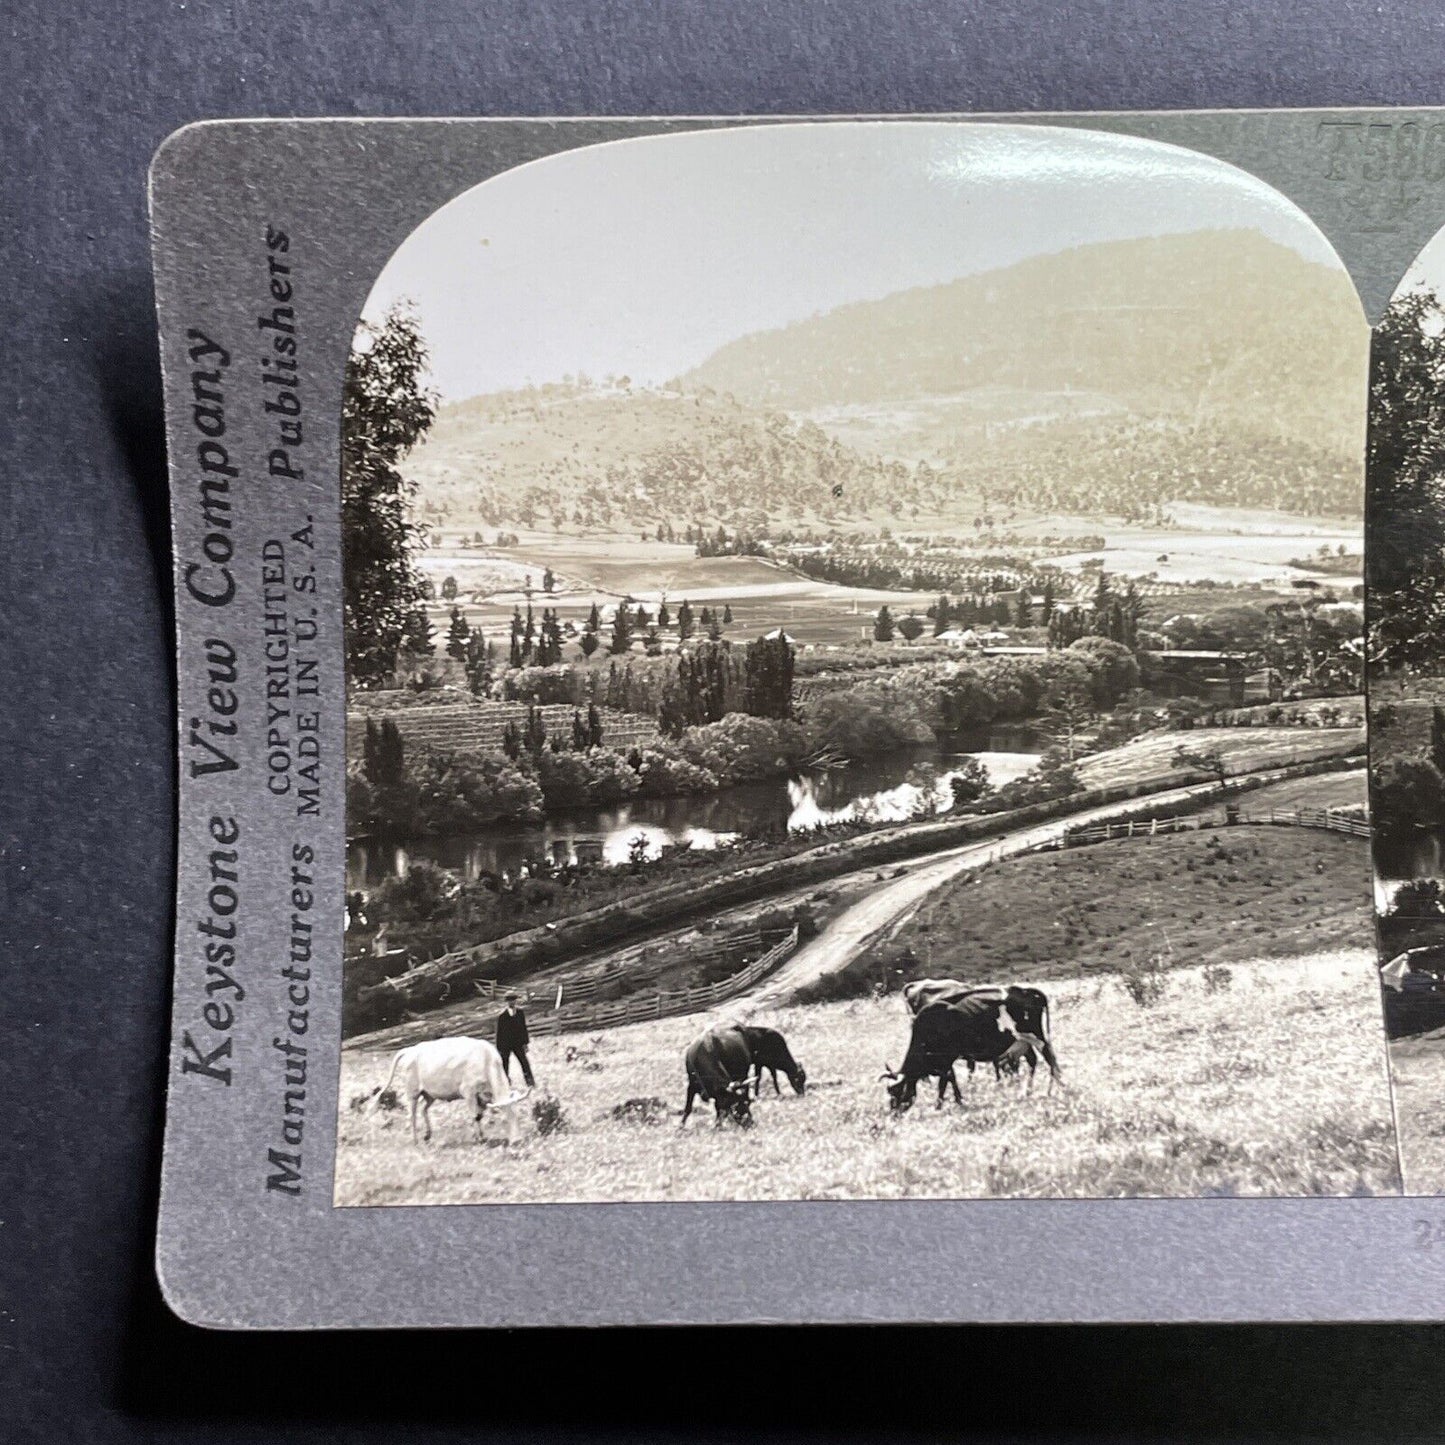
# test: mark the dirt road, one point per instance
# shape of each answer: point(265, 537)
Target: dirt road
point(851, 932)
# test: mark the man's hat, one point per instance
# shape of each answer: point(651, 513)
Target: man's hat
point(511, 998)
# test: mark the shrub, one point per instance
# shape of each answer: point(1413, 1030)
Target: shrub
point(549, 1115)
point(1217, 978)
point(647, 1110)
point(1145, 983)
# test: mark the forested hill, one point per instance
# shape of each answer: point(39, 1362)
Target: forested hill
point(595, 457)
point(1215, 367)
point(1212, 325)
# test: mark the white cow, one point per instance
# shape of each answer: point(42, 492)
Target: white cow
point(447, 1069)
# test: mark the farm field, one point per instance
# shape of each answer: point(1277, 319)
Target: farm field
point(1245, 750)
point(1325, 790)
point(1267, 1079)
point(1417, 1067)
point(762, 595)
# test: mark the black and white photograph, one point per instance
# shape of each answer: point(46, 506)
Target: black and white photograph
point(855, 648)
point(1406, 530)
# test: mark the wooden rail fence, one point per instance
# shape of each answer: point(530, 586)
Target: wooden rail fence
point(1332, 819)
point(666, 1004)
point(575, 1014)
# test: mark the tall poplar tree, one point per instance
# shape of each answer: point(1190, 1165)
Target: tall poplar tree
point(386, 409)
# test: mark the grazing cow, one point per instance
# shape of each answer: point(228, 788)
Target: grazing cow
point(770, 1051)
point(924, 991)
point(441, 1070)
point(719, 1064)
point(982, 1027)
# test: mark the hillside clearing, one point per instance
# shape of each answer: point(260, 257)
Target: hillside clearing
point(1268, 1081)
point(1175, 900)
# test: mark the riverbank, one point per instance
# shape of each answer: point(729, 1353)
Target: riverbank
point(648, 912)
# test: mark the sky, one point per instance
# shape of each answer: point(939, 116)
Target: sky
point(1428, 268)
point(642, 257)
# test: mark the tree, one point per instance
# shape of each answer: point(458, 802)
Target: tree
point(1066, 718)
point(1113, 668)
point(449, 589)
point(1404, 462)
point(664, 617)
point(534, 735)
point(457, 636)
point(594, 620)
point(418, 638)
point(727, 615)
point(549, 580)
point(911, 627)
point(479, 663)
point(386, 409)
point(684, 621)
point(1407, 799)
point(589, 643)
point(969, 782)
point(883, 625)
point(769, 672)
point(1023, 613)
point(621, 630)
point(1202, 760)
point(383, 757)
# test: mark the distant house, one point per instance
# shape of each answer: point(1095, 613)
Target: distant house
point(1215, 676)
point(775, 634)
point(1014, 651)
point(959, 637)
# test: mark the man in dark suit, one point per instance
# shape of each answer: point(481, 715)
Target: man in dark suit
point(512, 1038)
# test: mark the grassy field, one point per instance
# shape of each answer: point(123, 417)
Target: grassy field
point(1325, 790)
point(1267, 1079)
point(1417, 1068)
point(1139, 903)
point(1245, 750)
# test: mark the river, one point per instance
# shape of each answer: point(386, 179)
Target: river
point(876, 790)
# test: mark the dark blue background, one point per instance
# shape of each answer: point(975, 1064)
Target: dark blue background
point(86, 1349)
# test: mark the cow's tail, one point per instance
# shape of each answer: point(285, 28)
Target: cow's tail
point(384, 1088)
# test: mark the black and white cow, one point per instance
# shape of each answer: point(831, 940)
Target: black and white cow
point(918, 994)
point(983, 1026)
point(770, 1051)
point(719, 1066)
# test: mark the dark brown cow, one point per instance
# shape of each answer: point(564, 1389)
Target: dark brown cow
point(719, 1064)
point(770, 1051)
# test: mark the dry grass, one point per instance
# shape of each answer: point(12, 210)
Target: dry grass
point(1324, 790)
point(1245, 750)
point(1272, 1082)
